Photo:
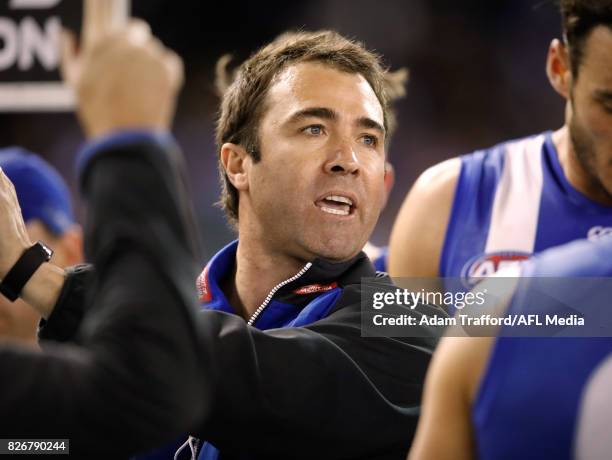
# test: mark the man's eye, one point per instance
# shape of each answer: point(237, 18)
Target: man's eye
point(370, 140)
point(314, 130)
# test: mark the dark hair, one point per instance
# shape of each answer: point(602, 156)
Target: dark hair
point(243, 92)
point(579, 18)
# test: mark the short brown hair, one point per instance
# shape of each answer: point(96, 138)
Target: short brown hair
point(243, 93)
point(578, 19)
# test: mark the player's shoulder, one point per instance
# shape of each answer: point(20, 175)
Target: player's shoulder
point(497, 153)
point(579, 258)
point(419, 229)
point(481, 171)
point(432, 195)
point(442, 177)
point(438, 179)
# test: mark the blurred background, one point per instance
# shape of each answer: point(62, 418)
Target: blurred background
point(476, 78)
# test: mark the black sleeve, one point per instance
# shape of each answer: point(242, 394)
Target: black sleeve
point(131, 380)
point(321, 391)
point(63, 323)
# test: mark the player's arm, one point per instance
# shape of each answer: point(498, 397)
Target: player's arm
point(134, 380)
point(43, 288)
point(445, 428)
point(420, 227)
point(98, 117)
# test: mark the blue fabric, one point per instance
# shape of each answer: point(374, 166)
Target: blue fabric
point(209, 452)
point(118, 139)
point(219, 266)
point(466, 234)
point(529, 395)
point(41, 191)
point(380, 263)
point(317, 309)
point(164, 453)
point(564, 213)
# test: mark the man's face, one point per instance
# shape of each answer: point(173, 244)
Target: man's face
point(319, 187)
point(590, 123)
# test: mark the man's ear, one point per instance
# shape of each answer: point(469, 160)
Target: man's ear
point(236, 162)
point(389, 180)
point(558, 68)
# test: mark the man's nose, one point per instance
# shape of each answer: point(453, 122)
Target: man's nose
point(342, 159)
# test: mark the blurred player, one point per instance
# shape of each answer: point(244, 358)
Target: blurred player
point(592, 438)
point(379, 254)
point(127, 381)
point(47, 211)
point(524, 397)
point(469, 216)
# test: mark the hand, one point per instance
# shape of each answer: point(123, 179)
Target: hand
point(14, 238)
point(123, 77)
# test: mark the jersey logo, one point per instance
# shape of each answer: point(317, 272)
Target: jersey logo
point(484, 265)
point(598, 231)
point(314, 288)
point(204, 293)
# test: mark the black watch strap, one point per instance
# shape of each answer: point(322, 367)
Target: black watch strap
point(24, 268)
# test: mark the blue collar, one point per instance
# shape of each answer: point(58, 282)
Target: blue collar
point(324, 280)
point(209, 289)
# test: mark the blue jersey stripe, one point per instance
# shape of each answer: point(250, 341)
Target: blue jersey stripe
point(562, 213)
point(468, 227)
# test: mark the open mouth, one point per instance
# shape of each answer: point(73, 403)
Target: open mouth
point(338, 205)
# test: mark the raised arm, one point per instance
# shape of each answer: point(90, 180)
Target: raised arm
point(130, 382)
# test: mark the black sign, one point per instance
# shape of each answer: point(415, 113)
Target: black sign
point(30, 53)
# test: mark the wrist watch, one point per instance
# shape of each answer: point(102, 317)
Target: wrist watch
point(24, 268)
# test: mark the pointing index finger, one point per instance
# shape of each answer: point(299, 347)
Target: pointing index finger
point(102, 17)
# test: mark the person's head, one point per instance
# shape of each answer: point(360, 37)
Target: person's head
point(45, 204)
point(301, 136)
point(580, 69)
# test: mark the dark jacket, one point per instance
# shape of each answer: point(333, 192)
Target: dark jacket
point(131, 377)
point(319, 390)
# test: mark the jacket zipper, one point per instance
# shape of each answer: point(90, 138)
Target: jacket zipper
point(193, 442)
point(265, 303)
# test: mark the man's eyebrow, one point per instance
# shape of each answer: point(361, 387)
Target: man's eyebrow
point(329, 114)
point(604, 95)
point(368, 123)
point(313, 112)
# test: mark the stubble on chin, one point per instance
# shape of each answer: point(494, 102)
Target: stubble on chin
point(584, 151)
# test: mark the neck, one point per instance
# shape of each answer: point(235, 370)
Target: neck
point(258, 270)
point(574, 171)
